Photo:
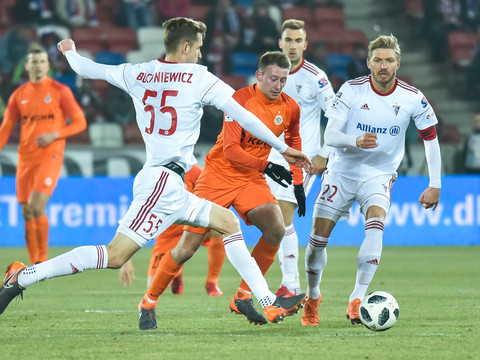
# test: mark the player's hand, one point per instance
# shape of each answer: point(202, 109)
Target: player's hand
point(279, 174)
point(46, 139)
point(126, 274)
point(367, 141)
point(299, 192)
point(297, 158)
point(318, 165)
point(65, 45)
point(429, 198)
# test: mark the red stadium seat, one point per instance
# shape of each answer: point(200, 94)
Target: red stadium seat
point(460, 47)
point(91, 39)
point(198, 12)
point(348, 38)
point(297, 12)
point(132, 134)
point(413, 8)
point(235, 81)
point(121, 38)
point(331, 17)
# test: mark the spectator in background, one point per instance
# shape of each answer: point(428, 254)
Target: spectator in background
point(471, 150)
point(91, 102)
point(136, 13)
point(265, 34)
point(76, 13)
point(226, 28)
point(118, 106)
point(6, 90)
point(318, 55)
point(472, 72)
point(13, 47)
point(166, 9)
point(34, 11)
point(358, 66)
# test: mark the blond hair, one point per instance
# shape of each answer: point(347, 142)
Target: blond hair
point(384, 42)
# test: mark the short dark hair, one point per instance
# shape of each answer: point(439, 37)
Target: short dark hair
point(274, 58)
point(34, 50)
point(179, 29)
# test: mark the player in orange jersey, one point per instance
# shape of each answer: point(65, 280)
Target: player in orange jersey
point(42, 107)
point(234, 176)
point(169, 239)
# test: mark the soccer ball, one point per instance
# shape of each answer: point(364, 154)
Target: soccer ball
point(379, 311)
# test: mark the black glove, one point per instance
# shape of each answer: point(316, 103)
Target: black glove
point(279, 174)
point(299, 192)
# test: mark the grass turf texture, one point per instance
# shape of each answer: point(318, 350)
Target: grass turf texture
point(90, 316)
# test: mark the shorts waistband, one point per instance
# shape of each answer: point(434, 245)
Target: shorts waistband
point(176, 169)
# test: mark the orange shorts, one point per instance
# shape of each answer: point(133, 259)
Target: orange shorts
point(40, 177)
point(244, 196)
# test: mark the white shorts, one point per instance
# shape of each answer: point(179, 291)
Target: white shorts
point(159, 200)
point(287, 193)
point(338, 193)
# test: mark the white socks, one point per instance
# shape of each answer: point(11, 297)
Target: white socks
point(315, 262)
point(75, 261)
point(368, 257)
point(238, 254)
point(288, 257)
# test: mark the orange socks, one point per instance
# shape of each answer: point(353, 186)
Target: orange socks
point(264, 255)
point(167, 268)
point(41, 225)
point(216, 257)
point(31, 241)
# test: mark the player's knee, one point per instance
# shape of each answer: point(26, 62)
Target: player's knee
point(232, 226)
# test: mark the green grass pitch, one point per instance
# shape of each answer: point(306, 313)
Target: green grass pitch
point(90, 316)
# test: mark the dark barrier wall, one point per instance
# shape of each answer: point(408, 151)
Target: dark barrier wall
point(86, 210)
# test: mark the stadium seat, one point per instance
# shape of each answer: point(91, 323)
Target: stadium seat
point(101, 86)
point(460, 47)
point(121, 37)
point(80, 138)
point(132, 134)
point(91, 39)
point(110, 58)
point(235, 81)
point(348, 38)
point(413, 8)
point(329, 16)
point(105, 135)
point(245, 63)
point(338, 65)
point(297, 12)
point(149, 36)
point(198, 12)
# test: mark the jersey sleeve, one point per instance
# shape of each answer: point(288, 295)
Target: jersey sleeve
point(324, 94)
point(423, 114)
point(292, 139)
point(215, 92)
point(72, 110)
point(341, 104)
point(10, 118)
point(233, 150)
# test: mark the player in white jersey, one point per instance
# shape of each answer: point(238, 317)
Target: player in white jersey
point(366, 128)
point(168, 96)
point(311, 88)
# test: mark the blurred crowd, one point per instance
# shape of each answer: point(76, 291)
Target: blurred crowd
point(238, 32)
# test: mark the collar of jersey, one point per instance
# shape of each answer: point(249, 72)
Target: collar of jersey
point(167, 62)
point(298, 68)
point(262, 97)
point(379, 93)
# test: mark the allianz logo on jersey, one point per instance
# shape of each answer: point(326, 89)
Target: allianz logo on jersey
point(394, 130)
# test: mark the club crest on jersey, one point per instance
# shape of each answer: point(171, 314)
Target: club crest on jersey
point(48, 99)
point(299, 87)
point(278, 119)
point(396, 109)
point(228, 119)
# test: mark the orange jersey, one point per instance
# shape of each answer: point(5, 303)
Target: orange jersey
point(240, 156)
point(41, 107)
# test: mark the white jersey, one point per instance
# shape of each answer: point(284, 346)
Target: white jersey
point(387, 115)
point(312, 90)
point(169, 99)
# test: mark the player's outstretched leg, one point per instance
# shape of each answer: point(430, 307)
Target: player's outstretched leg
point(284, 306)
point(147, 319)
point(10, 287)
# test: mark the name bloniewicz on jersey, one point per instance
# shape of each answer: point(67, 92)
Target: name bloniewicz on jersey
point(165, 77)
